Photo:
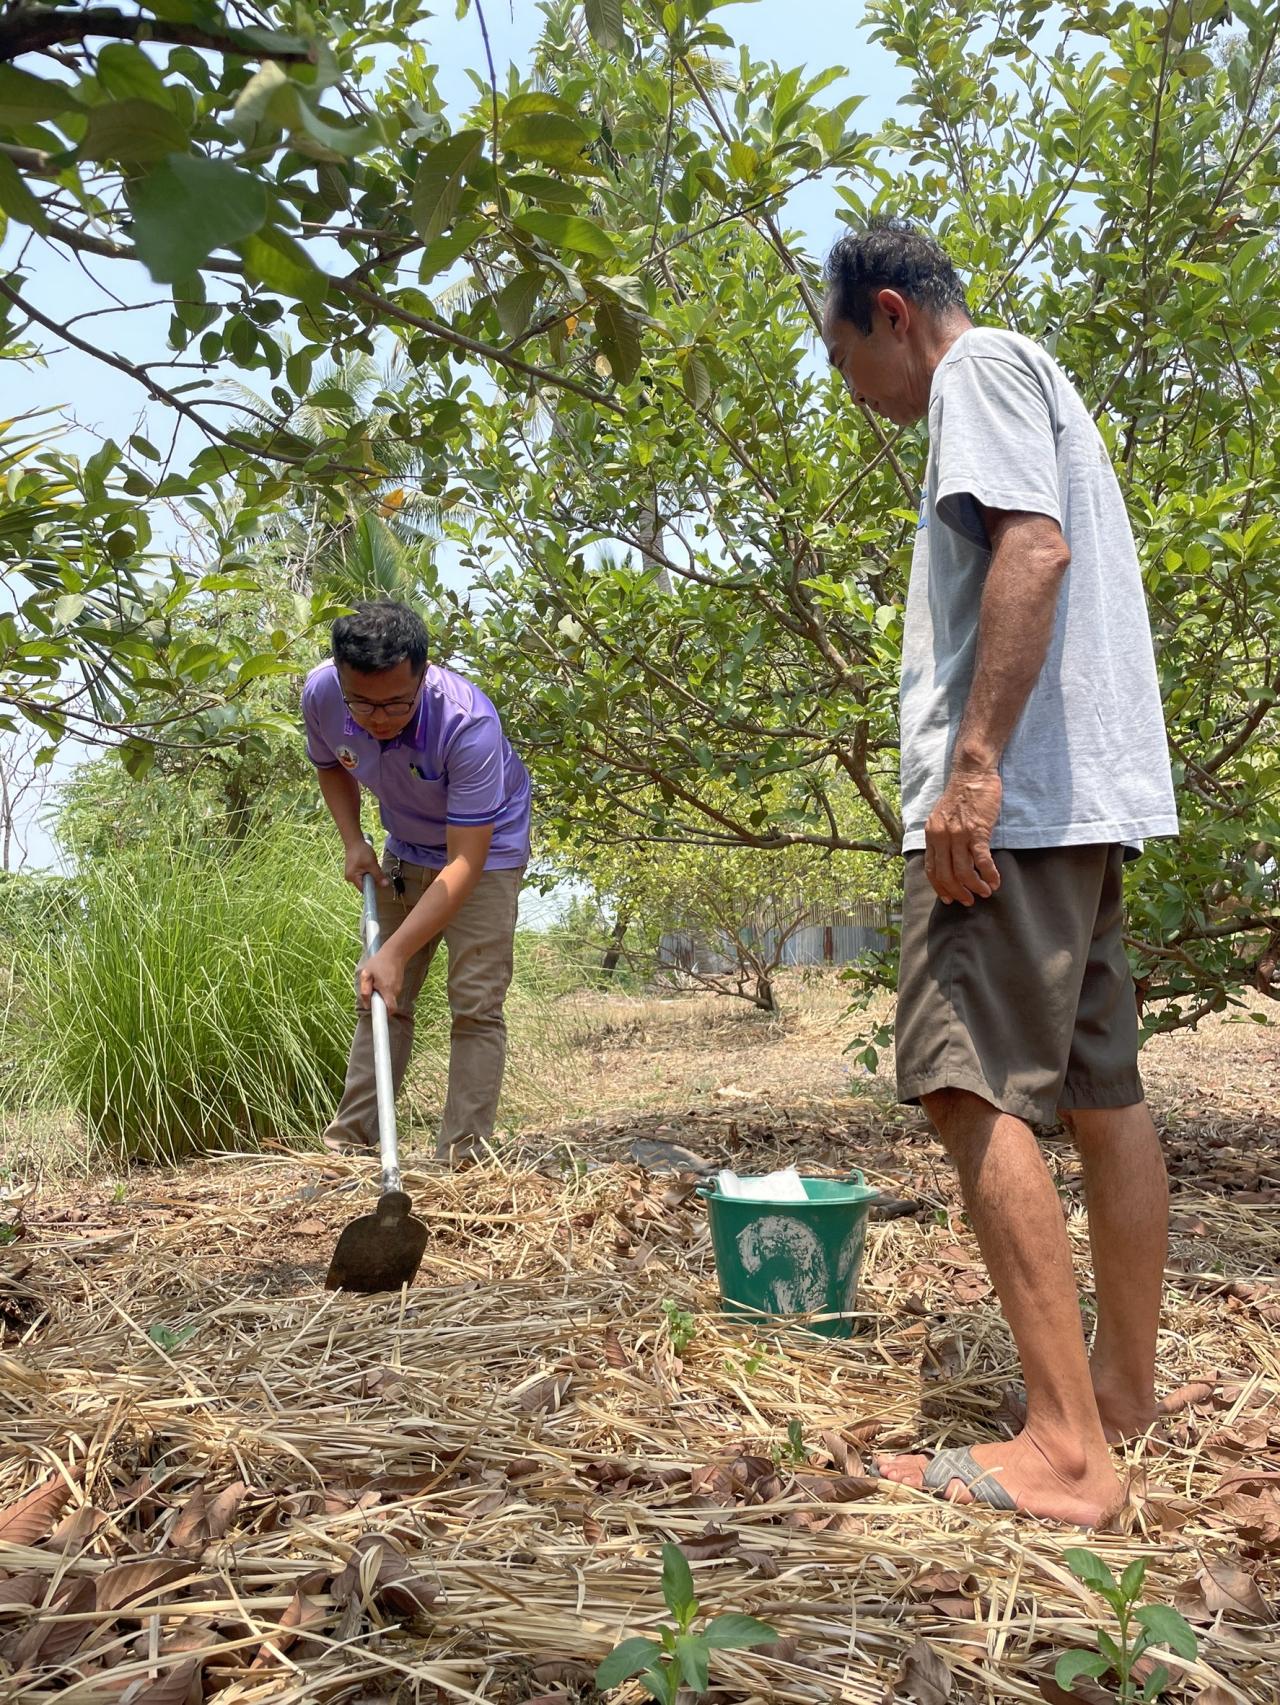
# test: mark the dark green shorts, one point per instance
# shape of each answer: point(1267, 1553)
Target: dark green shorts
point(1025, 999)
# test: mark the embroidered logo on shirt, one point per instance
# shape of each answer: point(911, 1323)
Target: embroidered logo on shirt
point(347, 757)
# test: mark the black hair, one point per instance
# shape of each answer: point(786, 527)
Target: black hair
point(378, 636)
point(890, 254)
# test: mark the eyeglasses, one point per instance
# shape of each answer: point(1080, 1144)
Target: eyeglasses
point(391, 707)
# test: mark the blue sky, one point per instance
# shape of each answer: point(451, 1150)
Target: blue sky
point(102, 402)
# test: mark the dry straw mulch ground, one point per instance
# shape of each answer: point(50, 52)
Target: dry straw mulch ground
point(220, 1481)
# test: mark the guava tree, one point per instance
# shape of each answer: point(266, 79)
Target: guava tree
point(1107, 178)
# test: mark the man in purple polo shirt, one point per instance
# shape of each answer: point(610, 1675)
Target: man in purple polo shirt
point(454, 800)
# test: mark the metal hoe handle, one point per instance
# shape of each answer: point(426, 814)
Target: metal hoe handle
point(388, 1151)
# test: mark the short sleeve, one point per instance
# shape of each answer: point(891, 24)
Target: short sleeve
point(319, 751)
point(995, 445)
point(477, 780)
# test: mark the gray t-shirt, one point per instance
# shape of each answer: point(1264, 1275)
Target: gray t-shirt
point(1088, 760)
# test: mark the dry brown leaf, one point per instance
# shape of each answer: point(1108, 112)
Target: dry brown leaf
point(388, 1580)
point(1242, 1479)
point(31, 1518)
point(60, 1629)
point(75, 1529)
point(177, 1686)
point(614, 1353)
point(549, 1392)
point(1215, 1695)
point(1086, 1691)
point(714, 1542)
point(838, 1489)
point(939, 1580)
point(923, 1676)
point(129, 1582)
point(20, 1591)
point(863, 1432)
point(677, 1194)
point(379, 1380)
point(563, 1672)
point(1188, 1225)
point(837, 1448)
point(300, 1613)
point(592, 1531)
point(222, 1511)
point(1220, 1589)
point(190, 1531)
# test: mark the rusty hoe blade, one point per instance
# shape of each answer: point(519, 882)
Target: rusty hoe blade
point(380, 1251)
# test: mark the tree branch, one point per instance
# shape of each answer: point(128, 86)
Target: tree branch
point(32, 29)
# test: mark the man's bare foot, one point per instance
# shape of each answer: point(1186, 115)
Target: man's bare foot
point(1123, 1417)
point(1125, 1414)
point(1084, 1493)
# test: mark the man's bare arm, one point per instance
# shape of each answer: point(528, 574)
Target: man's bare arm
point(1029, 558)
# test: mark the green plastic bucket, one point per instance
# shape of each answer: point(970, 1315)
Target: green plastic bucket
point(788, 1259)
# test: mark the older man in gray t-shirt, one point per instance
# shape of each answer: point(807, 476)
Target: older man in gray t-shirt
point(1034, 762)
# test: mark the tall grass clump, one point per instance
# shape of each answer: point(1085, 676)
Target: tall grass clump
point(196, 997)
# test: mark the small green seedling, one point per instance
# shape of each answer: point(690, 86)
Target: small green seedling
point(120, 1192)
point(166, 1339)
point(795, 1451)
point(679, 1657)
point(681, 1325)
point(8, 1234)
point(1141, 1626)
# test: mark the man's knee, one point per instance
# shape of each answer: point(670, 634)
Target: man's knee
point(480, 1015)
point(959, 1117)
point(1086, 1125)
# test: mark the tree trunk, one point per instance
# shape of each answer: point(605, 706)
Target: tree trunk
point(613, 952)
point(764, 993)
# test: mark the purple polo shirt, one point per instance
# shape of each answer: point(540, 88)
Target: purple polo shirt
point(452, 764)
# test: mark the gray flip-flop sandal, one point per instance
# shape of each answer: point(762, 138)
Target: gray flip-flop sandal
point(958, 1464)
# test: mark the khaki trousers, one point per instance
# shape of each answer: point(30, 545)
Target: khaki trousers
point(480, 943)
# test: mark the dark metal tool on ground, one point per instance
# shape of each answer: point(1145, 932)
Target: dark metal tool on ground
point(380, 1251)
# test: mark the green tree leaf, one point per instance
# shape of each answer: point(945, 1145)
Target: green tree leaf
point(68, 607)
point(618, 336)
point(1090, 1569)
point(552, 137)
point(693, 1655)
point(677, 1583)
point(1155, 1684)
point(1071, 1665)
point(696, 379)
point(272, 258)
point(515, 302)
point(1133, 1577)
point(133, 132)
point(733, 1632)
point(125, 72)
point(626, 1660)
point(567, 231)
point(1167, 1628)
point(29, 99)
point(188, 206)
point(440, 182)
point(605, 21)
point(137, 756)
point(16, 199)
point(254, 668)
